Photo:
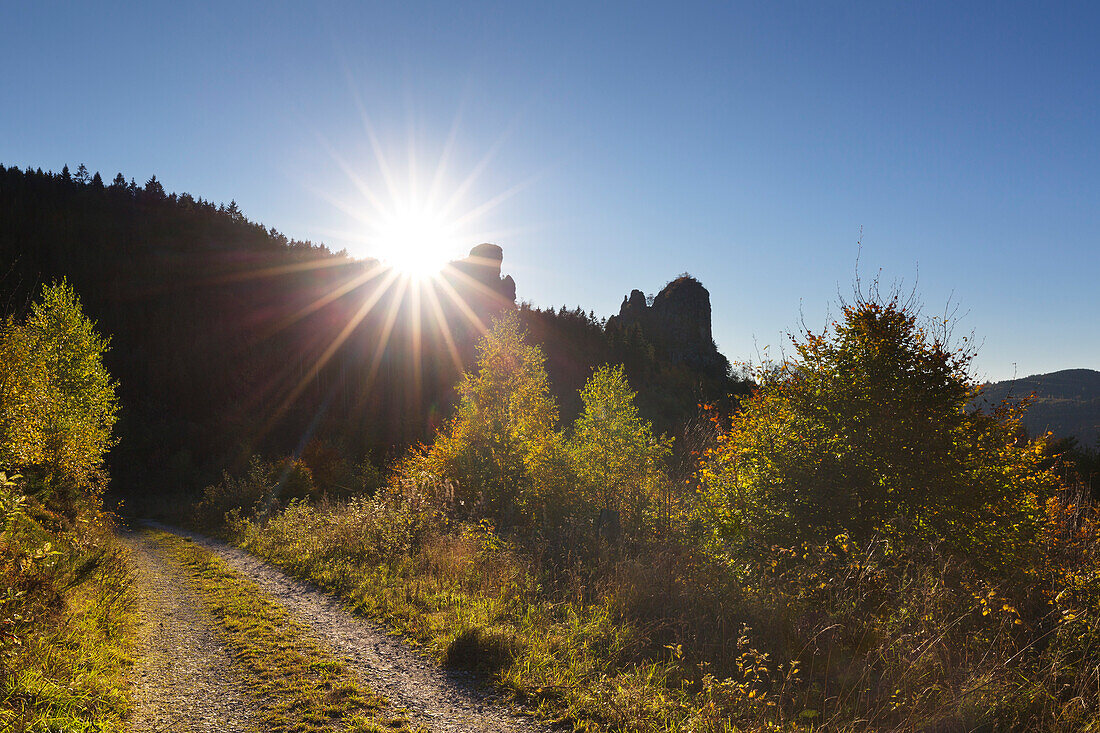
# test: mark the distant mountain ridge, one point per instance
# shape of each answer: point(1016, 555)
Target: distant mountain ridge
point(1066, 402)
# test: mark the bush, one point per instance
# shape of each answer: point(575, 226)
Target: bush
point(334, 476)
point(293, 481)
point(867, 433)
point(250, 492)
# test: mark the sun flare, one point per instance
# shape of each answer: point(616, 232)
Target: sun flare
point(415, 242)
point(412, 219)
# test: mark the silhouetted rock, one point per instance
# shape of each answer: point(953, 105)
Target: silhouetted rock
point(478, 275)
point(508, 288)
point(475, 282)
point(683, 310)
point(634, 305)
point(678, 324)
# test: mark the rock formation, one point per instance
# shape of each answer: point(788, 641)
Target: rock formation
point(480, 274)
point(475, 280)
point(678, 325)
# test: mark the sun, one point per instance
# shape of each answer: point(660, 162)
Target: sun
point(413, 219)
point(415, 241)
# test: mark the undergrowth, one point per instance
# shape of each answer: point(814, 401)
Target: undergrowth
point(855, 550)
point(835, 636)
point(298, 685)
point(589, 656)
point(67, 620)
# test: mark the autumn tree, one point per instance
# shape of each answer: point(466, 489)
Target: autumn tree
point(57, 401)
point(617, 457)
point(867, 430)
point(503, 438)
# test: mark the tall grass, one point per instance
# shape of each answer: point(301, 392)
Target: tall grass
point(67, 617)
point(836, 636)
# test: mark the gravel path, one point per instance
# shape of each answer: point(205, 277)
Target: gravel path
point(437, 699)
point(183, 677)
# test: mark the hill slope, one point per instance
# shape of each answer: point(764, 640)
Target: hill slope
point(228, 338)
point(1066, 402)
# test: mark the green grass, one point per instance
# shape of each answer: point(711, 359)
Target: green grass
point(67, 626)
point(298, 685)
point(837, 637)
point(473, 604)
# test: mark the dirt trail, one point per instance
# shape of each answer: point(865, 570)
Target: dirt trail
point(183, 677)
point(439, 700)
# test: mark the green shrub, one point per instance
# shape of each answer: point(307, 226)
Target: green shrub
point(250, 492)
point(480, 462)
point(293, 482)
point(867, 432)
point(336, 477)
point(619, 462)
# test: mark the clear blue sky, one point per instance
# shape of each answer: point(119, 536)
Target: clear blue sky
point(745, 143)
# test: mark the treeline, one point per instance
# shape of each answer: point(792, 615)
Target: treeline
point(857, 551)
point(229, 339)
point(670, 391)
point(172, 280)
point(66, 612)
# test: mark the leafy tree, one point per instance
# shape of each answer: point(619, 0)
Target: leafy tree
point(504, 428)
point(504, 425)
point(57, 401)
point(866, 431)
point(22, 381)
point(616, 454)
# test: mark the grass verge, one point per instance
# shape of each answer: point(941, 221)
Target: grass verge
point(471, 602)
point(839, 637)
point(298, 685)
point(67, 623)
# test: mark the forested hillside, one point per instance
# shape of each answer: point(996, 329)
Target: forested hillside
point(229, 339)
point(1066, 402)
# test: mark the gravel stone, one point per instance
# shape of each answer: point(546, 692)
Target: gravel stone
point(183, 678)
point(438, 699)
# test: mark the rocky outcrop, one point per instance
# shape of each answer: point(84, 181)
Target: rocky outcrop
point(677, 324)
point(476, 280)
point(480, 272)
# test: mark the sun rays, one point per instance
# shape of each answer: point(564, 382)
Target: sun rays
point(419, 297)
point(411, 217)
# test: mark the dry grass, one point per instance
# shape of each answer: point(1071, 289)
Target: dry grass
point(833, 637)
